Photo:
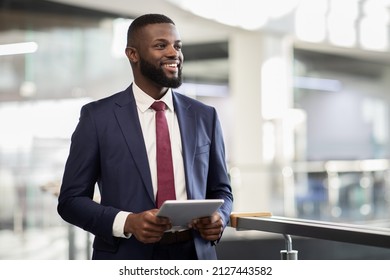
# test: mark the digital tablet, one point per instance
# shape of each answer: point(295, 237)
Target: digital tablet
point(182, 212)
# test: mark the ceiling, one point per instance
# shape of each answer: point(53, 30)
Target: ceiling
point(207, 40)
point(192, 28)
point(195, 29)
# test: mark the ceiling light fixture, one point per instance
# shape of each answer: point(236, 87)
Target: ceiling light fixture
point(18, 48)
point(247, 14)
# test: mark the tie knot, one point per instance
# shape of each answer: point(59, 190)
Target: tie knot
point(158, 106)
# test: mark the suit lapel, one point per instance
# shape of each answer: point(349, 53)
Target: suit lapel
point(187, 123)
point(127, 117)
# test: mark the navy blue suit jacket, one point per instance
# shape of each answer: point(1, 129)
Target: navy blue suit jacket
point(108, 148)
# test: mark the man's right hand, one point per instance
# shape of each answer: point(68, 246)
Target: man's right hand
point(146, 226)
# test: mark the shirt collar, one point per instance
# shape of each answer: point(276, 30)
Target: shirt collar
point(144, 101)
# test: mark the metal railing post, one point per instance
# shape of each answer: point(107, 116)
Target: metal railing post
point(289, 253)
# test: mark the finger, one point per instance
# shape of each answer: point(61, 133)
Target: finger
point(215, 225)
point(200, 223)
point(210, 220)
point(163, 220)
point(211, 237)
point(157, 220)
point(215, 217)
point(151, 226)
point(158, 229)
point(149, 235)
point(211, 231)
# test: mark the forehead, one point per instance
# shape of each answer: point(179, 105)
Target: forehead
point(160, 31)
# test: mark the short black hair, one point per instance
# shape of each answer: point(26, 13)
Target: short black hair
point(141, 22)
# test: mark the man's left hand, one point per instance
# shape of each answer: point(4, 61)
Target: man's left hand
point(210, 228)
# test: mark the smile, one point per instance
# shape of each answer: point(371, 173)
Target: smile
point(171, 65)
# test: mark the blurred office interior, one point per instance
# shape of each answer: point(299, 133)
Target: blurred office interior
point(301, 88)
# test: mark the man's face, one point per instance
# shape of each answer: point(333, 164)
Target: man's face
point(160, 56)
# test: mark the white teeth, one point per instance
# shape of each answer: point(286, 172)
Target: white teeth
point(171, 65)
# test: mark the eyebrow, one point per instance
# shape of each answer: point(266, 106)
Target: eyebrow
point(165, 40)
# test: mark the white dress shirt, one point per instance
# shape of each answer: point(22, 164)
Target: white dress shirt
point(148, 126)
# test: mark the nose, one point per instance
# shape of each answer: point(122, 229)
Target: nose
point(172, 51)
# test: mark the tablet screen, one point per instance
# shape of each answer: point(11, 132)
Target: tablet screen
point(182, 212)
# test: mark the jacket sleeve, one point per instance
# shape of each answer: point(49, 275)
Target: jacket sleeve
point(82, 171)
point(218, 182)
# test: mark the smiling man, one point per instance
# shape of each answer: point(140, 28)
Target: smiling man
point(118, 145)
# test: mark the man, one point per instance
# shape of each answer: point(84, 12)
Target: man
point(114, 145)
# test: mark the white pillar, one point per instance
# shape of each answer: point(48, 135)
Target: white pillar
point(257, 95)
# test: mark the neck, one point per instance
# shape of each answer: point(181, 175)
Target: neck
point(153, 90)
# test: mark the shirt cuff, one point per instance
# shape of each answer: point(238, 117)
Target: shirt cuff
point(119, 225)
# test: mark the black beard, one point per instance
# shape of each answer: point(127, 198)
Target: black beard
point(158, 76)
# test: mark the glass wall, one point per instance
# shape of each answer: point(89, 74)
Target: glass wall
point(346, 104)
point(53, 59)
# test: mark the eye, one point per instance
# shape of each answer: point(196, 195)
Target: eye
point(160, 46)
point(178, 47)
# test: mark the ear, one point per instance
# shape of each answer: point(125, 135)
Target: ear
point(132, 54)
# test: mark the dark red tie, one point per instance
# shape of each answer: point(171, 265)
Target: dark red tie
point(165, 179)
